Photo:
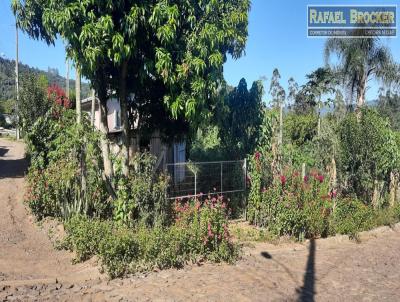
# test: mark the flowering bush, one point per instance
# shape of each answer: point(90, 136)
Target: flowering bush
point(200, 232)
point(58, 96)
point(206, 227)
point(304, 207)
point(290, 204)
point(54, 178)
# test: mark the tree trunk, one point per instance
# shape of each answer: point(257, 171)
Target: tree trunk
point(333, 176)
point(105, 147)
point(78, 95)
point(78, 121)
point(93, 109)
point(361, 96)
point(398, 187)
point(124, 118)
point(375, 195)
point(392, 189)
point(319, 117)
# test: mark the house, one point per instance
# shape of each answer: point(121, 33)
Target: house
point(166, 153)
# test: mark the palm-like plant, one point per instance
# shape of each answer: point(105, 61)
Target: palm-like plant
point(359, 60)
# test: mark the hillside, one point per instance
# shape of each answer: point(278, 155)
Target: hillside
point(7, 78)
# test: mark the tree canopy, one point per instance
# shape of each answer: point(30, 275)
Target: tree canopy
point(177, 47)
point(361, 59)
point(240, 118)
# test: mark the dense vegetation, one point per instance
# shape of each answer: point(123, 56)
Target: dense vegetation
point(320, 161)
point(164, 62)
point(7, 81)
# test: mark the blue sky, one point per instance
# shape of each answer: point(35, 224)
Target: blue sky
point(277, 38)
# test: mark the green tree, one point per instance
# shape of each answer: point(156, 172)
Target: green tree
point(293, 89)
point(241, 119)
point(389, 105)
point(33, 101)
point(320, 82)
point(178, 47)
point(278, 101)
point(7, 106)
point(361, 59)
point(368, 154)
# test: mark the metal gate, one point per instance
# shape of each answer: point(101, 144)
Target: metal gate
point(192, 179)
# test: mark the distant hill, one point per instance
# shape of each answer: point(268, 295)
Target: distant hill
point(7, 79)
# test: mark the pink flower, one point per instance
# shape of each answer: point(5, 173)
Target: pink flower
point(283, 180)
point(210, 233)
point(257, 155)
point(305, 178)
point(332, 194)
point(320, 178)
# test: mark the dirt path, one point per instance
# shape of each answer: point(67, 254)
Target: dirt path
point(333, 269)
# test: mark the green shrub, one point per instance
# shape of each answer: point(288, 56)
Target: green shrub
point(368, 153)
point(142, 196)
point(352, 216)
point(199, 233)
point(117, 251)
point(85, 236)
point(58, 147)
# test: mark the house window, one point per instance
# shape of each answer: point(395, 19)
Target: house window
point(117, 119)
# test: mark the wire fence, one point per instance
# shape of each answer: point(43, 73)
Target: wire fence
point(192, 179)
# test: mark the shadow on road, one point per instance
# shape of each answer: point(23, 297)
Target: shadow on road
point(307, 291)
point(11, 168)
point(267, 255)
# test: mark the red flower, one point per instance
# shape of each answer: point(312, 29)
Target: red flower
point(305, 178)
point(320, 178)
point(283, 180)
point(58, 96)
point(257, 155)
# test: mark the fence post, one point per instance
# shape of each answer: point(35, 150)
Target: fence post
point(195, 183)
point(221, 177)
point(303, 170)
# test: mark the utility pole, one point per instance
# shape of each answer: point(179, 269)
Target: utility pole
point(17, 134)
point(67, 79)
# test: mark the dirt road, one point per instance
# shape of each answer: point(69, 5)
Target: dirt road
point(333, 269)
